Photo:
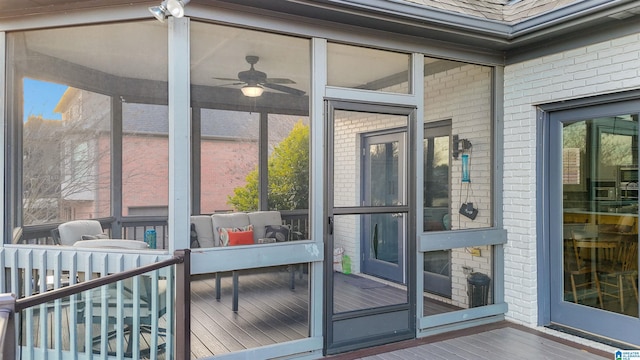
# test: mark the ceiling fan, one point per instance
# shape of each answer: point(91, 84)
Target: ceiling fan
point(255, 81)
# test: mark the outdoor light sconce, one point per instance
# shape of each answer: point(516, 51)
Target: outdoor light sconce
point(169, 7)
point(459, 146)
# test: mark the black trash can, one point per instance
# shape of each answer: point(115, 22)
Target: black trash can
point(478, 289)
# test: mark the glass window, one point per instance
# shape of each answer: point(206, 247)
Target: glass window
point(600, 212)
point(381, 139)
point(457, 151)
point(228, 161)
point(145, 158)
point(76, 85)
point(367, 69)
point(253, 107)
point(437, 164)
point(288, 162)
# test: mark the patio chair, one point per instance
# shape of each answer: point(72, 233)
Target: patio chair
point(142, 315)
point(582, 269)
point(73, 231)
point(616, 276)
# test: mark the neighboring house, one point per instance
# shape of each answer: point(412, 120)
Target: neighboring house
point(229, 153)
point(535, 105)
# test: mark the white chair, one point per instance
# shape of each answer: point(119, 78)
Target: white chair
point(71, 232)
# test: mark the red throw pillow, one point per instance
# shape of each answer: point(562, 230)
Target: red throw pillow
point(241, 238)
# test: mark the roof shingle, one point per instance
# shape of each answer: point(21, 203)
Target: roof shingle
point(499, 10)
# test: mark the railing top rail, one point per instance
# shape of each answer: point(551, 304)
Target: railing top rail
point(42, 298)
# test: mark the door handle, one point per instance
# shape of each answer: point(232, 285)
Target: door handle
point(330, 225)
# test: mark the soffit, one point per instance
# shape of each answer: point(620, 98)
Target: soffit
point(491, 25)
point(10, 8)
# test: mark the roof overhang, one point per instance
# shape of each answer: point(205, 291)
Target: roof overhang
point(588, 18)
point(579, 20)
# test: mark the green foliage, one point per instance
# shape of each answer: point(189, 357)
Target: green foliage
point(288, 176)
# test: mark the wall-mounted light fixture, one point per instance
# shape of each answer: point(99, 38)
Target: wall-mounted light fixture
point(252, 90)
point(174, 8)
point(459, 146)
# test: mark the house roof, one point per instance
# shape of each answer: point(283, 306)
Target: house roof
point(510, 11)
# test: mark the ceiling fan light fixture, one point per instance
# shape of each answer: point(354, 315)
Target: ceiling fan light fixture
point(252, 90)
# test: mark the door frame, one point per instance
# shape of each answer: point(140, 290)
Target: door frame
point(383, 320)
point(553, 309)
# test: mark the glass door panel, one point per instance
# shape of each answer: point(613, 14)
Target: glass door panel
point(600, 232)
point(437, 204)
point(594, 220)
point(383, 240)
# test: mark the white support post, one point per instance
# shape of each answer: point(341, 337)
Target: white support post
point(417, 87)
point(3, 121)
point(179, 134)
point(316, 213)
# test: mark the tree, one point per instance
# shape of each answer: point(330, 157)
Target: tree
point(288, 176)
point(61, 160)
point(41, 177)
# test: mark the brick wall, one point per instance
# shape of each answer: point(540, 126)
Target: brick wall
point(596, 69)
point(463, 94)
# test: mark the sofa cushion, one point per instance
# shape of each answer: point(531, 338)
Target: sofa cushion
point(278, 232)
point(227, 220)
point(223, 233)
point(204, 229)
point(260, 219)
point(241, 238)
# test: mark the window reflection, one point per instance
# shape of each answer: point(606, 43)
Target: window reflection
point(600, 213)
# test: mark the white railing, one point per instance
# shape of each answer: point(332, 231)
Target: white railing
point(58, 329)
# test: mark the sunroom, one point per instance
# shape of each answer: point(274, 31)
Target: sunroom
point(374, 154)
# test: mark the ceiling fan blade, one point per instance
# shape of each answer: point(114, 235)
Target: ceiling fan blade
point(232, 84)
point(286, 89)
point(280, 81)
point(226, 79)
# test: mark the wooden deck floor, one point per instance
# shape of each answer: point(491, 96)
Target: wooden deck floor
point(270, 312)
point(499, 341)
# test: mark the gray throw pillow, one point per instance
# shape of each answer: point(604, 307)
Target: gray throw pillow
point(278, 232)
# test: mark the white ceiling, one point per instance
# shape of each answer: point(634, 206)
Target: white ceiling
point(139, 50)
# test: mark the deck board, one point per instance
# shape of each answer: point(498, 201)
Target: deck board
point(496, 341)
